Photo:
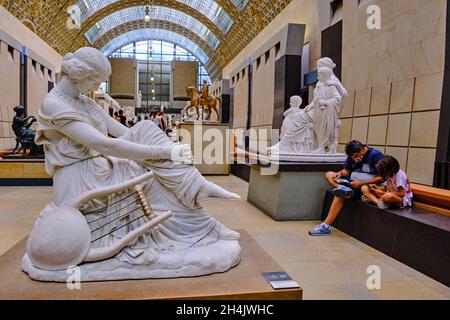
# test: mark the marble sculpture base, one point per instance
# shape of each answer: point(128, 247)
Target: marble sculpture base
point(196, 261)
point(242, 282)
point(306, 157)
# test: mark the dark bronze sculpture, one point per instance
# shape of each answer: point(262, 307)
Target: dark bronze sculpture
point(24, 135)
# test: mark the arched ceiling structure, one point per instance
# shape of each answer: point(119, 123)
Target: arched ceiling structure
point(166, 31)
point(220, 29)
point(137, 35)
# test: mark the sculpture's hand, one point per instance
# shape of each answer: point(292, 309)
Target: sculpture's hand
point(181, 153)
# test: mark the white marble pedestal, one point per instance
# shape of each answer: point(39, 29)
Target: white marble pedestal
point(306, 158)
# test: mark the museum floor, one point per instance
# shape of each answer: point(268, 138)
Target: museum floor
point(327, 268)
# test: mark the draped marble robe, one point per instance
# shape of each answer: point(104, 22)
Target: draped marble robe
point(326, 116)
point(296, 132)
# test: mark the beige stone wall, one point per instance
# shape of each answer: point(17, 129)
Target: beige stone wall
point(315, 14)
point(37, 85)
point(9, 92)
point(13, 27)
point(263, 94)
point(239, 83)
point(184, 74)
point(123, 79)
point(395, 77)
point(264, 89)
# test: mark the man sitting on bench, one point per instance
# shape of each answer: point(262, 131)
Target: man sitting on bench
point(359, 170)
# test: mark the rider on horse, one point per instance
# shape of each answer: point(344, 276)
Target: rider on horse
point(205, 91)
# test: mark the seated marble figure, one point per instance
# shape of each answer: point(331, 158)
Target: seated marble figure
point(82, 157)
point(296, 131)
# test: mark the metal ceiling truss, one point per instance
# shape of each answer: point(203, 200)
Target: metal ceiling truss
point(223, 27)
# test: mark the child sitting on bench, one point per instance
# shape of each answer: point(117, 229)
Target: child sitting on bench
point(397, 192)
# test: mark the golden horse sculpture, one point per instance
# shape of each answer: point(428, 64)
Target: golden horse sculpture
point(212, 103)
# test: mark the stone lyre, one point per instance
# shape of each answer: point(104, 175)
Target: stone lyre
point(62, 237)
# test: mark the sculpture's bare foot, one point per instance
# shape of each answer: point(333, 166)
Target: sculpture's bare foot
point(225, 233)
point(210, 191)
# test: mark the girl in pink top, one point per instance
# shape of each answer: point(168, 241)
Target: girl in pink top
point(397, 191)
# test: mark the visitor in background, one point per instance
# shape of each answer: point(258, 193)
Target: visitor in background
point(130, 123)
point(397, 192)
point(359, 170)
point(139, 119)
point(116, 116)
point(163, 121)
point(145, 117)
point(156, 120)
point(123, 119)
point(159, 120)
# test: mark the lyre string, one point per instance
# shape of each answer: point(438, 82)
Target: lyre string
point(119, 217)
point(110, 214)
point(105, 207)
point(115, 229)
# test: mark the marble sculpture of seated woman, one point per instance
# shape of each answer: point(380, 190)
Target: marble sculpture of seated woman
point(86, 149)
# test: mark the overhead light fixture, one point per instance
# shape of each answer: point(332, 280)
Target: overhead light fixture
point(147, 14)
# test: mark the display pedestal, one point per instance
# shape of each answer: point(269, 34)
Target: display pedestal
point(208, 141)
point(23, 172)
point(242, 282)
point(294, 193)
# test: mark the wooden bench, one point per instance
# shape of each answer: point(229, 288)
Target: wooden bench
point(432, 199)
point(417, 237)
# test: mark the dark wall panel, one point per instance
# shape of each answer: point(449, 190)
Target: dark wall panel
point(332, 46)
point(442, 164)
point(288, 70)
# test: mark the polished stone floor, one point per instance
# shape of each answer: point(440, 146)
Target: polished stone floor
point(327, 268)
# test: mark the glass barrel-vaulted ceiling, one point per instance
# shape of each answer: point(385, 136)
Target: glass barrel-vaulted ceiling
point(156, 13)
point(209, 8)
point(155, 34)
point(64, 24)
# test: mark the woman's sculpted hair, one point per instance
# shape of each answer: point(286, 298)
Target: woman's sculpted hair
point(86, 62)
point(327, 62)
point(325, 71)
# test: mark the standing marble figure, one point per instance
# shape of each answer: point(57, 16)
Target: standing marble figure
point(327, 102)
point(82, 158)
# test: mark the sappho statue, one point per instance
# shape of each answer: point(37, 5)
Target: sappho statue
point(82, 157)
